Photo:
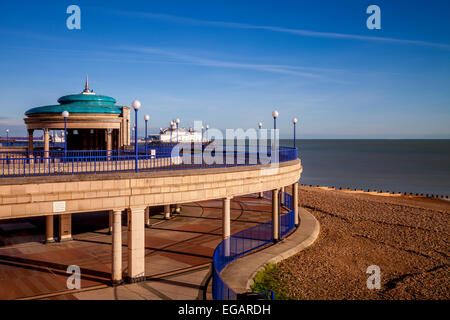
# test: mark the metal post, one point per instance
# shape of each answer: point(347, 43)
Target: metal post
point(275, 137)
point(135, 139)
point(65, 139)
point(280, 201)
point(294, 134)
point(146, 137)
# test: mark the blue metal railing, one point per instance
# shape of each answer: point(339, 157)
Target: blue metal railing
point(245, 242)
point(41, 163)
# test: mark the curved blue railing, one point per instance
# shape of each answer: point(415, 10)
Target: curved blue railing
point(42, 163)
point(243, 243)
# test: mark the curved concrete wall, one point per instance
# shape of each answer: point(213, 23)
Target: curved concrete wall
point(37, 196)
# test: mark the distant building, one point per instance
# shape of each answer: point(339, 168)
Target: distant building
point(171, 134)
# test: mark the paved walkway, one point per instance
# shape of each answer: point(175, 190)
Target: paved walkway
point(178, 253)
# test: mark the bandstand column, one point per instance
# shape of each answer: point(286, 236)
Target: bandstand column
point(282, 195)
point(49, 232)
point(226, 225)
point(275, 221)
point(109, 141)
point(46, 144)
point(30, 140)
point(295, 202)
point(136, 245)
point(116, 247)
point(30, 145)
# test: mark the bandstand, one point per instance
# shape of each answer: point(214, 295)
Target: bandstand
point(94, 122)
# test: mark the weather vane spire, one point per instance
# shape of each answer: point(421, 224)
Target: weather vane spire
point(86, 87)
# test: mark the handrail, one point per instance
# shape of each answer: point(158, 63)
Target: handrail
point(43, 163)
point(243, 243)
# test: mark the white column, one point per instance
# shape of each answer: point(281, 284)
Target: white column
point(46, 145)
point(147, 217)
point(49, 232)
point(111, 219)
point(108, 141)
point(226, 224)
point(136, 245)
point(116, 246)
point(167, 211)
point(65, 227)
point(275, 214)
point(295, 202)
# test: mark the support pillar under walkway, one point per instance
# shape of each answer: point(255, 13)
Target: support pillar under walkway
point(49, 229)
point(116, 270)
point(65, 227)
point(167, 211)
point(136, 245)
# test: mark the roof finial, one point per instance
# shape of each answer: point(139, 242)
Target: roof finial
point(86, 87)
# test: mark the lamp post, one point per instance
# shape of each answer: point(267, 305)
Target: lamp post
point(171, 130)
point(65, 115)
point(177, 121)
point(7, 136)
point(136, 105)
point(259, 136)
point(294, 121)
point(146, 118)
point(207, 127)
point(275, 116)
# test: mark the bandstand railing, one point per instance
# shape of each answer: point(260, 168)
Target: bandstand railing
point(60, 162)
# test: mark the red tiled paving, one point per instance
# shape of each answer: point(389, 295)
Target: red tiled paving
point(29, 268)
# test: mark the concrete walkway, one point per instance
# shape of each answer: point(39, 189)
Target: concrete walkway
point(178, 253)
point(239, 274)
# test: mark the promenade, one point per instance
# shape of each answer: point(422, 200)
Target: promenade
point(178, 253)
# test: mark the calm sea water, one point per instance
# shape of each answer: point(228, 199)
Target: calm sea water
point(418, 166)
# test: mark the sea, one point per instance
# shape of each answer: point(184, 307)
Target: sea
point(412, 166)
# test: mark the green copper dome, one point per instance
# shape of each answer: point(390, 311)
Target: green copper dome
point(85, 102)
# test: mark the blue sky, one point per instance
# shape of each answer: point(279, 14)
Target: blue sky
point(230, 63)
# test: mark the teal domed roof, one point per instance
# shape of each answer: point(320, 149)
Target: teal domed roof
point(85, 102)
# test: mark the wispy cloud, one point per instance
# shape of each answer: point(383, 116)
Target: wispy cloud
point(273, 68)
point(300, 32)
